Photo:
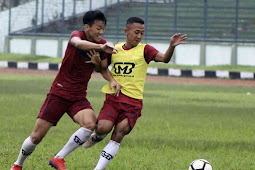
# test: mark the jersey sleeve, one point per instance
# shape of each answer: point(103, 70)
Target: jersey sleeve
point(150, 53)
point(77, 34)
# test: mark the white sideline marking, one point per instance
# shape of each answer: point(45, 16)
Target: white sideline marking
point(174, 72)
point(222, 74)
point(3, 64)
point(43, 66)
point(198, 73)
point(59, 65)
point(22, 65)
point(153, 71)
point(247, 75)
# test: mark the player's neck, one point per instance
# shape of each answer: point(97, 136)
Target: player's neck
point(128, 46)
point(88, 38)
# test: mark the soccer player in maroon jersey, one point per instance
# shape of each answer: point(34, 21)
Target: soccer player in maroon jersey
point(129, 67)
point(68, 91)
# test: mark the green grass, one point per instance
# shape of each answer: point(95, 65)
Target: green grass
point(179, 123)
point(28, 58)
point(34, 58)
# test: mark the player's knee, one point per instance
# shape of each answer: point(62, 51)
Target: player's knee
point(88, 122)
point(35, 138)
point(103, 129)
point(122, 131)
point(91, 124)
point(86, 118)
point(119, 133)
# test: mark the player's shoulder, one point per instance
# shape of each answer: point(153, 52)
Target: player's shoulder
point(119, 44)
point(141, 46)
point(149, 47)
point(102, 41)
point(78, 33)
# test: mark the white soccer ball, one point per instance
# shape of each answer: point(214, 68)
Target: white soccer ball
point(200, 164)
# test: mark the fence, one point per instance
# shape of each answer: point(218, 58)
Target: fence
point(221, 32)
point(202, 20)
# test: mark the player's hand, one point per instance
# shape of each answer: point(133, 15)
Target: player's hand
point(95, 58)
point(109, 48)
point(177, 39)
point(115, 85)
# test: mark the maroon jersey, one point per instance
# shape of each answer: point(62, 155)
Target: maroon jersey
point(73, 77)
point(150, 53)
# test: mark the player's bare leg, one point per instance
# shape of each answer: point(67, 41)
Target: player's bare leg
point(87, 120)
point(120, 130)
point(112, 147)
point(40, 130)
point(102, 129)
point(30, 143)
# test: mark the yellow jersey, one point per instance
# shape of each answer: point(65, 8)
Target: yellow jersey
point(129, 69)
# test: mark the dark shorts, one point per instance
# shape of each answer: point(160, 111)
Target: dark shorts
point(54, 108)
point(117, 111)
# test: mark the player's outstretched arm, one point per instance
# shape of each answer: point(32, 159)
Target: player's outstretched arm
point(109, 48)
point(77, 42)
point(114, 85)
point(175, 40)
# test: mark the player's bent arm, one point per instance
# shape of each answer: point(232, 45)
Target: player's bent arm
point(98, 68)
point(108, 76)
point(160, 57)
point(85, 45)
point(105, 71)
point(95, 59)
point(77, 42)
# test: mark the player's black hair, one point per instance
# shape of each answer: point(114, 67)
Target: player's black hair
point(91, 16)
point(132, 20)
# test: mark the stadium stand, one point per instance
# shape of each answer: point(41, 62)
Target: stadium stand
point(4, 4)
point(215, 19)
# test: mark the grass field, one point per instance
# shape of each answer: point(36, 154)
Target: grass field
point(179, 123)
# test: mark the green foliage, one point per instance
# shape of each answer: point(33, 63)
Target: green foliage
point(179, 123)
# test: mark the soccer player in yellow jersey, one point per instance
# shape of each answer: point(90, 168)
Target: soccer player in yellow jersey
point(129, 68)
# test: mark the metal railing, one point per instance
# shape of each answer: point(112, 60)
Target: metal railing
point(202, 20)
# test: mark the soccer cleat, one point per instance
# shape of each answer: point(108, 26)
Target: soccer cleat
point(91, 141)
point(57, 163)
point(16, 167)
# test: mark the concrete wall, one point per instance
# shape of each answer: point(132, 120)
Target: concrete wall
point(192, 53)
point(4, 20)
point(210, 53)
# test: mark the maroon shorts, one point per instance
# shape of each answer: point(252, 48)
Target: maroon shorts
point(54, 108)
point(117, 111)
